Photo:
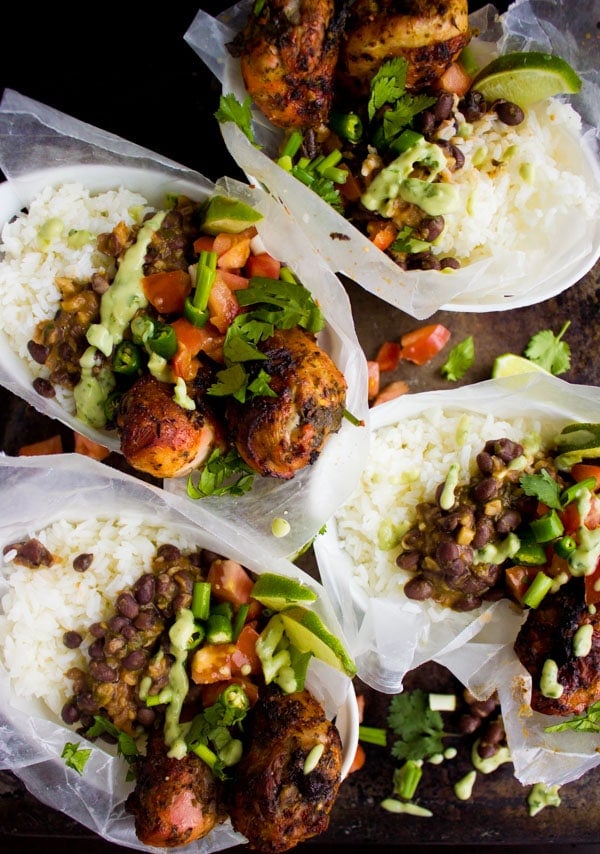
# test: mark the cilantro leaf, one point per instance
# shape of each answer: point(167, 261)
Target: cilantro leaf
point(420, 729)
point(548, 350)
point(543, 487)
point(231, 110)
point(126, 746)
point(223, 474)
point(403, 112)
point(388, 84)
point(75, 757)
point(589, 721)
point(232, 382)
point(460, 358)
point(292, 304)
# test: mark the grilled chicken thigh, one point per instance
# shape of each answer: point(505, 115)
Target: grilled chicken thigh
point(160, 437)
point(175, 801)
point(548, 635)
point(276, 800)
point(429, 34)
point(279, 435)
point(288, 54)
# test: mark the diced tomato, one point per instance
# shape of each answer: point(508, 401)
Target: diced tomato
point(383, 235)
point(391, 391)
point(190, 341)
point(167, 291)
point(212, 663)
point(592, 586)
point(421, 345)
point(244, 659)
point(230, 582)
point(263, 265)
point(373, 379)
point(388, 356)
point(204, 243)
point(89, 448)
point(233, 250)
point(581, 471)
point(212, 691)
point(350, 189)
point(52, 445)
point(223, 307)
point(571, 519)
point(234, 281)
point(454, 79)
point(518, 578)
point(359, 760)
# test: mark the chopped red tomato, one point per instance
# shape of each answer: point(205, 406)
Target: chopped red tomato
point(229, 581)
point(518, 578)
point(454, 79)
point(52, 445)
point(223, 307)
point(212, 691)
point(167, 291)
point(244, 658)
point(373, 379)
point(89, 448)
point(382, 235)
point(359, 760)
point(571, 519)
point(421, 345)
point(388, 356)
point(263, 265)
point(212, 663)
point(581, 471)
point(190, 341)
point(234, 281)
point(391, 391)
point(204, 243)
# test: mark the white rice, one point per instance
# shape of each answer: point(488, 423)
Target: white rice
point(406, 463)
point(519, 188)
point(40, 605)
point(29, 265)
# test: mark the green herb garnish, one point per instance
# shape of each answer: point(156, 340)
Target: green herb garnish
point(75, 757)
point(223, 474)
point(589, 721)
point(419, 730)
point(460, 358)
point(126, 746)
point(231, 110)
point(549, 351)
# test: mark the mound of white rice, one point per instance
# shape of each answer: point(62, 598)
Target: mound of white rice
point(40, 605)
point(406, 463)
point(519, 188)
point(56, 236)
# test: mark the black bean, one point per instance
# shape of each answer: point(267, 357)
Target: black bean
point(508, 113)
point(98, 630)
point(103, 672)
point(408, 561)
point(70, 713)
point(508, 521)
point(96, 650)
point(44, 387)
point(447, 552)
point(469, 723)
point(135, 660)
point(473, 106)
point(129, 631)
point(485, 489)
point(442, 109)
point(427, 122)
point(452, 263)
point(467, 603)
point(86, 703)
point(504, 449)
point(72, 640)
point(114, 645)
point(117, 622)
point(38, 352)
point(184, 580)
point(485, 462)
point(483, 533)
point(422, 261)
point(145, 620)
point(145, 716)
point(168, 552)
point(145, 588)
point(430, 228)
point(83, 562)
point(418, 588)
point(127, 606)
point(450, 522)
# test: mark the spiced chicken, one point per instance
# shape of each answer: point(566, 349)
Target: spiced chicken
point(549, 637)
point(288, 54)
point(278, 435)
point(288, 780)
point(429, 35)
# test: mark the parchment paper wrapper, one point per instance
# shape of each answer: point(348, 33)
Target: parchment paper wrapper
point(502, 281)
point(390, 637)
point(34, 492)
point(40, 146)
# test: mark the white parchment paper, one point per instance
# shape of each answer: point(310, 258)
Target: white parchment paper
point(496, 283)
point(390, 637)
point(34, 492)
point(40, 146)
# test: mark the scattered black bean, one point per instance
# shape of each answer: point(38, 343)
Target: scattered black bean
point(44, 387)
point(127, 606)
point(70, 714)
point(103, 672)
point(83, 562)
point(508, 113)
point(96, 649)
point(72, 640)
point(38, 352)
point(135, 660)
point(418, 588)
point(145, 588)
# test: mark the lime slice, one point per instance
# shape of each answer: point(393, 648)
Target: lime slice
point(526, 77)
point(307, 632)
point(509, 364)
point(279, 591)
point(223, 214)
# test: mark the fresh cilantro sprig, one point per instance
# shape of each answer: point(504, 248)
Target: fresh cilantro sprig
point(223, 474)
point(126, 746)
point(589, 721)
point(419, 729)
point(75, 757)
point(543, 487)
point(549, 351)
point(388, 88)
point(231, 110)
point(460, 358)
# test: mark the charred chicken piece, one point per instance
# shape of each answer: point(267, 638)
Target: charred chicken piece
point(274, 800)
point(277, 436)
point(548, 634)
point(160, 437)
point(175, 801)
point(288, 54)
point(429, 35)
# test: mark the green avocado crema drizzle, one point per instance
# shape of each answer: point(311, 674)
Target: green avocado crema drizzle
point(118, 305)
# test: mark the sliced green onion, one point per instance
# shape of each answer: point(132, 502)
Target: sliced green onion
point(195, 308)
point(548, 527)
point(201, 600)
point(536, 591)
point(372, 735)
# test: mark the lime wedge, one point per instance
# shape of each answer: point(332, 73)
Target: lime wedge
point(526, 77)
point(279, 591)
point(223, 214)
point(307, 632)
point(509, 364)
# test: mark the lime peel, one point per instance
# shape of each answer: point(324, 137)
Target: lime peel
point(509, 364)
point(279, 591)
point(307, 632)
point(526, 77)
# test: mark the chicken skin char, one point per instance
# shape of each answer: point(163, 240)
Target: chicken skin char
point(279, 435)
point(160, 437)
point(429, 35)
point(175, 801)
point(288, 55)
point(548, 634)
point(272, 801)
